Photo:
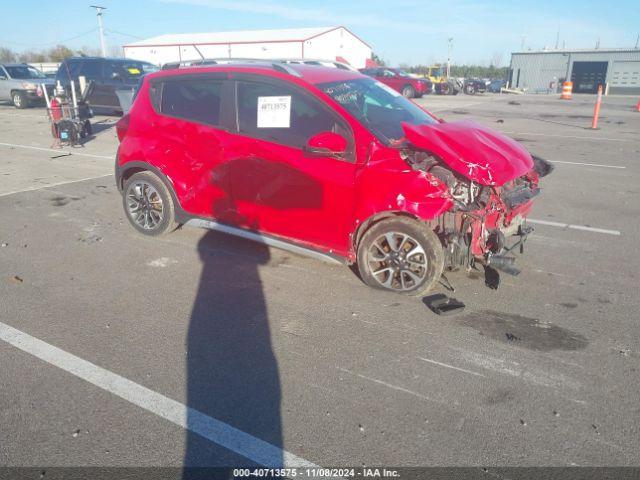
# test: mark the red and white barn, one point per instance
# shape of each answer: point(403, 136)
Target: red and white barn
point(323, 43)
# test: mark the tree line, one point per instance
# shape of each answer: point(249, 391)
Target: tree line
point(53, 54)
point(466, 71)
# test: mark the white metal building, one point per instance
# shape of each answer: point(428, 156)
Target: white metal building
point(615, 68)
point(330, 43)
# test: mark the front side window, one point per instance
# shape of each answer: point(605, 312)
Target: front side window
point(378, 107)
point(197, 100)
point(68, 71)
point(280, 114)
point(24, 72)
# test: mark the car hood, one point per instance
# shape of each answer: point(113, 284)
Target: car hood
point(479, 153)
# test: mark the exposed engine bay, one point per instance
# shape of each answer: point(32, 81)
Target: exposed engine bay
point(486, 222)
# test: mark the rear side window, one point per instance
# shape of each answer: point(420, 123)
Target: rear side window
point(197, 100)
point(280, 114)
point(91, 70)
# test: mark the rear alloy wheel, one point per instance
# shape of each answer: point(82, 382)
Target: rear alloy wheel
point(148, 204)
point(469, 89)
point(408, 92)
point(400, 255)
point(19, 100)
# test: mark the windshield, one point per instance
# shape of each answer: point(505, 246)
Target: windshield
point(381, 109)
point(24, 72)
point(138, 69)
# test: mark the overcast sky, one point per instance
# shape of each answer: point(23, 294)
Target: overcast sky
point(400, 31)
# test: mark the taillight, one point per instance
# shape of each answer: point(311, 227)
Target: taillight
point(122, 126)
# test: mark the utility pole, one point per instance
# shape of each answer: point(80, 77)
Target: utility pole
point(99, 10)
point(522, 40)
point(637, 40)
point(450, 44)
point(557, 39)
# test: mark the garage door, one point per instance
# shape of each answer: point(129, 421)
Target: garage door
point(586, 76)
point(625, 78)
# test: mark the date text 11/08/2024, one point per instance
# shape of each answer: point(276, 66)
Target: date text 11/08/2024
point(316, 472)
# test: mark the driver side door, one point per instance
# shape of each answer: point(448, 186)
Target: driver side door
point(273, 185)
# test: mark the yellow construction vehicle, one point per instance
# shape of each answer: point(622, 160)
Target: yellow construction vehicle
point(441, 84)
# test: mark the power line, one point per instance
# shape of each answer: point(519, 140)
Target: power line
point(52, 43)
point(124, 34)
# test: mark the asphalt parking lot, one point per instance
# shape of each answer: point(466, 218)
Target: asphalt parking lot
point(121, 350)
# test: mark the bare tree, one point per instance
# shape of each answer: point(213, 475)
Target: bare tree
point(7, 55)
point(115, 51)
point(59, 53)
point(86, 51)
point(379, 60)
point(30, 56)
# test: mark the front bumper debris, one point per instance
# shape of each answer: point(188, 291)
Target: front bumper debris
point(502, 260)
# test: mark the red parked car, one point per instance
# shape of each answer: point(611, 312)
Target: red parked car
point(400, 81)
point(327, 161)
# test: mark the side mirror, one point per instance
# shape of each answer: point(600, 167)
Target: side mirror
point(326, 144)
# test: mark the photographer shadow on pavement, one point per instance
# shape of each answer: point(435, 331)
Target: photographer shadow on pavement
point(232, 373)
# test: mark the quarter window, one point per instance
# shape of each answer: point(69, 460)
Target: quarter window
point(280, 114)
point(197, 100)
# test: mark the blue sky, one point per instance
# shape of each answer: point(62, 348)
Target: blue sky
point(409, 31)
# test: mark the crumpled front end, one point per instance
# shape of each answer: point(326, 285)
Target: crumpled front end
point(487, 222)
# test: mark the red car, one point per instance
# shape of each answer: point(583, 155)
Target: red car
point(323, 161)
point(400, 81)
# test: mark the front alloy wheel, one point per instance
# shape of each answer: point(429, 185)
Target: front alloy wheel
point(401, 255)
point(397, 261)
point(19, 100)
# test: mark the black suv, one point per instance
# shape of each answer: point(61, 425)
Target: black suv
point(107, 75)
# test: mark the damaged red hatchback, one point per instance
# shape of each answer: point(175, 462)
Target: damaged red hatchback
point(324, 161)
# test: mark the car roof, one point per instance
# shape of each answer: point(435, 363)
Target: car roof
point(15, 64)
point(313, 74)
point(95, 59)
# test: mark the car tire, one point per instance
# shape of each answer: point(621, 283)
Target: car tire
point(446, 89)
point(385, 260)
point(148, 204)
point(408, 91)
point(19, 99)
point(469, 90)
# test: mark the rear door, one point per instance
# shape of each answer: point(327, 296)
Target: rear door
point(190, 135)
point(271, 185)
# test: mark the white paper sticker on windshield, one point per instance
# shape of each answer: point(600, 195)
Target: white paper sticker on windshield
point(389, 89)
point(274, 112)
